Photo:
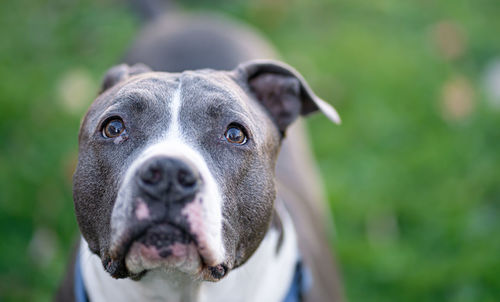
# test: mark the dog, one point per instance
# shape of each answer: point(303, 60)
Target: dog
point(181, 192)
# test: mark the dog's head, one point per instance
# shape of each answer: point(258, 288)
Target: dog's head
point(176, 171)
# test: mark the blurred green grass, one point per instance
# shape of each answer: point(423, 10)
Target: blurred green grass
point(412, 174)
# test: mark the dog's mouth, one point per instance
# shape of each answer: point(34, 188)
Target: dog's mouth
point(162, 237)
point(152, 245)
point(172, 239)
point(162, 245)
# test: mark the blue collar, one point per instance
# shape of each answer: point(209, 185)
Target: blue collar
point(79, 287)
point(301, 283)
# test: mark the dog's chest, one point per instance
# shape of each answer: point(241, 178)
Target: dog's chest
point(266, 276)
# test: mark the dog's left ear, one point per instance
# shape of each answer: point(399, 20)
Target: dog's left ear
point(283, 92)
point(121, 72)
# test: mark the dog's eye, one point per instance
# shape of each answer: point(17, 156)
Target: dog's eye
point(235, 134)
point(113, 128)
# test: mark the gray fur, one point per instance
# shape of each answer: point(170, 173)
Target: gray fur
point(250, 191)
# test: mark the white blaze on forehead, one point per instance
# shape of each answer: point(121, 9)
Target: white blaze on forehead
point(174, 130)
point(173, 145)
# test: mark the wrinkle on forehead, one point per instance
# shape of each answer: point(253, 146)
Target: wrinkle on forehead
point(206, 85)
point(213, 92)
point(209, 83)
point(148, 89)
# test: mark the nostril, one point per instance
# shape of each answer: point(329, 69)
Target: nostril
point(169, 179)
point(151, 176)
point(186, 178)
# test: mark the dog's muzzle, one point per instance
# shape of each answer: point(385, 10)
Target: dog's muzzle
point(153, 229)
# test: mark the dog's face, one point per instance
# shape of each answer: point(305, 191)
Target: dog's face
point(176, 171)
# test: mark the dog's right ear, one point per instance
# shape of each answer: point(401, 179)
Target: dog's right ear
point(121, 72)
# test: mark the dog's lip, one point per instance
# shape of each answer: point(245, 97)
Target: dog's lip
point(121, 248)
point(119, 252)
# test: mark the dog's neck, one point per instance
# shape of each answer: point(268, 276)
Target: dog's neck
point(266, 276)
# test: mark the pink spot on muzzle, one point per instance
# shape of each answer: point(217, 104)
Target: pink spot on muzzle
point(198, 227)
point(141, 210)
point(194, 212)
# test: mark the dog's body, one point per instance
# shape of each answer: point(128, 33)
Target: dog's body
point(228, 211)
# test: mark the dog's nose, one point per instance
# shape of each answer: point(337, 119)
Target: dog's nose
point(168, 179)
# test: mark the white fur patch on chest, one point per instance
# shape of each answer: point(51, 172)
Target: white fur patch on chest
point(266, 276)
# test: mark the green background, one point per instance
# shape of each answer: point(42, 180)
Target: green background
point(412, 174)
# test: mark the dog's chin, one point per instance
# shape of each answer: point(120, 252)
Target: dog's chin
point(164, 247)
